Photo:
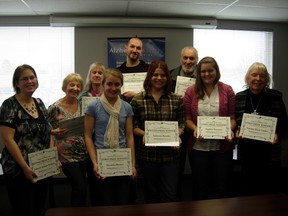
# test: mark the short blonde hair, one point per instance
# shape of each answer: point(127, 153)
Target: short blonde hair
point(70, 78)
point(259, 67)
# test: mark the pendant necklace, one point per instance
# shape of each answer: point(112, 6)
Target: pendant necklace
point(255, 109)
point(30, 110)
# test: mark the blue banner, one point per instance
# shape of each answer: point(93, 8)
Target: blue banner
point(153, 49)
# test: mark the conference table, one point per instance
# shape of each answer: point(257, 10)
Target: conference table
point(265, 205)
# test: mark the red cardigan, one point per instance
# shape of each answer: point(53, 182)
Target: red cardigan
point(226, 105)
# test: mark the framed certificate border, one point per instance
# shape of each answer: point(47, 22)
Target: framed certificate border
point(258, 127)
point(161, 133)
point(114, 162)
point(85, 102)
point(182, 83)
point(214, 127)
point(133, 82)
point(44, 163)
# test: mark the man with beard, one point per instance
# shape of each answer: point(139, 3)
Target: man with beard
point(188, 60)
point(133, 64)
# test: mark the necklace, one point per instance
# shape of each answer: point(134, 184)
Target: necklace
point(255, 109)
point(30, 110)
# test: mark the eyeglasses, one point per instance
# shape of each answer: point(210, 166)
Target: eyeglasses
point(26, 79)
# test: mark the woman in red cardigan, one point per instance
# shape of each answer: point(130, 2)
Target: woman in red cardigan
point(210, 159)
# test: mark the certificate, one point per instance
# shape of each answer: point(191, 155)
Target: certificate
point(114, 162)
point(85, 102)
point(133, 82)
point(213, 127)
point(161, 133)
point(44, 163)
point(74, 126)
point(258, 127)
point(182, 83)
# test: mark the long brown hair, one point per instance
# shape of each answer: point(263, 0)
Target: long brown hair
point(152, 67)
point(199, 85)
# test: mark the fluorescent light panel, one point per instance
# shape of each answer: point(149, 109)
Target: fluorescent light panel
point(61, 21)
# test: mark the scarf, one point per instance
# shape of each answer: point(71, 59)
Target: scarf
point(111, 136)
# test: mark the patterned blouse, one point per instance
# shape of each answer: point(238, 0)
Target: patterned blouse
point(72, 148)
point(31, 134)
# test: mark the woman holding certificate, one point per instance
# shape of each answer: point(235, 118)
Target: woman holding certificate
point(24, 130)
point(259, 171)
point(159, 163)
point(210, 159)
point(92, 89)
point(71, 148)
point(108, 126)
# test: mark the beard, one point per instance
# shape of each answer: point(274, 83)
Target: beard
point(188, 69)
point(133, 57)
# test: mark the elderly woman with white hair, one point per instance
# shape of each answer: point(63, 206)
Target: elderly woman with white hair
point(71, 148)
point(257, 166)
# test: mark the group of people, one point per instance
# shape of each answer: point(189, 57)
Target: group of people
point(117, 120)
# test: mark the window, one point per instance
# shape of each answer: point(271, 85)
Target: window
point(235, 51)
point(50, 51)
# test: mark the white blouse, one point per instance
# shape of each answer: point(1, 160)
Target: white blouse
point(209, 106)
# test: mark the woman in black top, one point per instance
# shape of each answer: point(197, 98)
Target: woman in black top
point(24, 129)
point(257, 166)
